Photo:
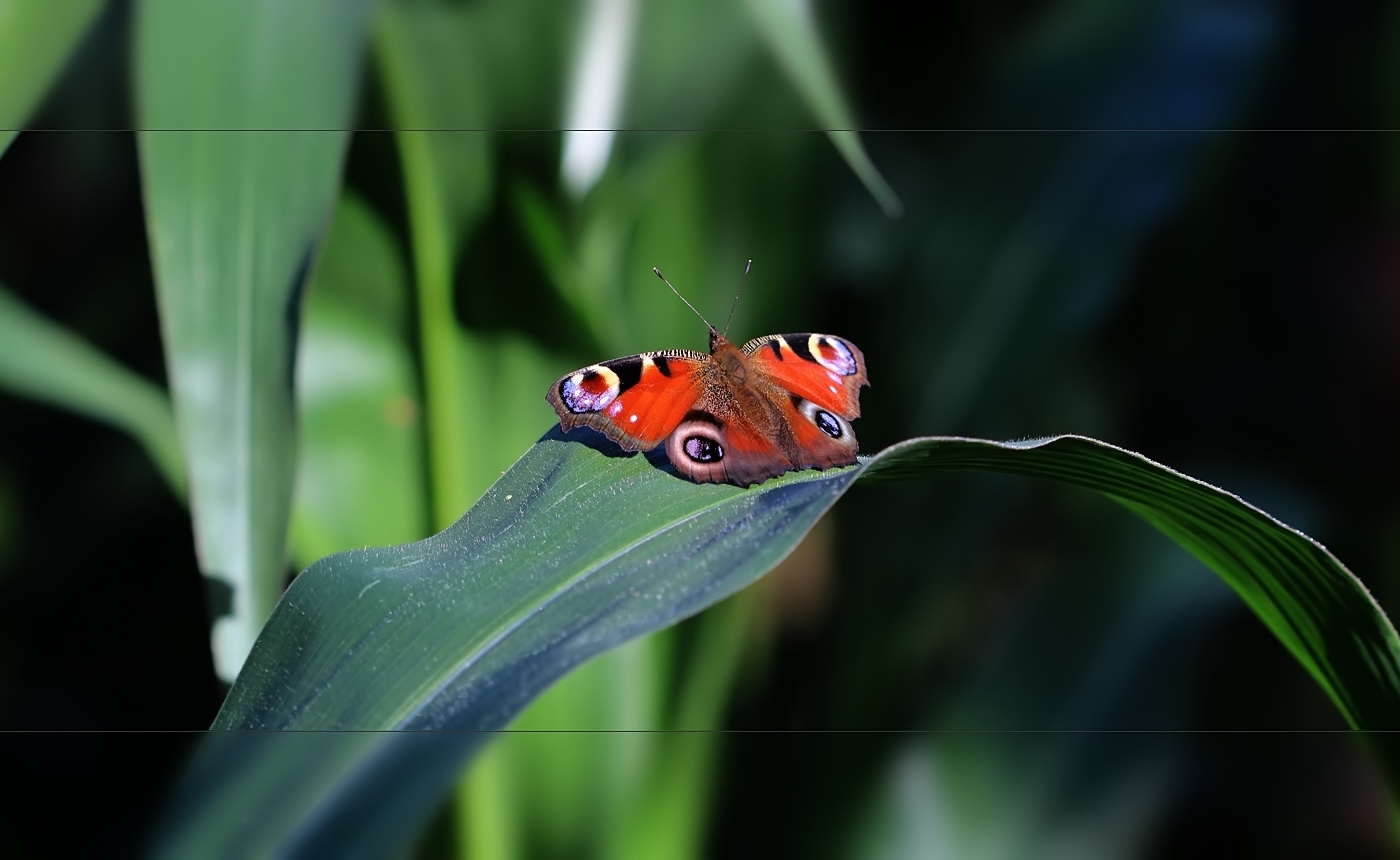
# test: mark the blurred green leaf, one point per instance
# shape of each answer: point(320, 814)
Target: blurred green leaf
point(42, 360)
point(575, 551)
point(574, 281)
point(673, 43)
point(525, 46)
point(35, 42)
point(428, 56)
point(488, 816)
point(361, 480)
point(791, 33)
point(241, 163)
point(658, 212)
point(1107, 649)
point(946, 798)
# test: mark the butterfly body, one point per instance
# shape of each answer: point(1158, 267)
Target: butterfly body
point(737, 415)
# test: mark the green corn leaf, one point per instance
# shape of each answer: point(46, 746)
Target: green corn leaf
point(791, 34)
point(240, 165)
point(576, 550)
point(35, 42)
point(42, 360)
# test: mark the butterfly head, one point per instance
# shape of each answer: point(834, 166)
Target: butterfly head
point(730, 358)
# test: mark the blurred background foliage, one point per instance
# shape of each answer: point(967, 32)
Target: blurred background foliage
point(1103, 231)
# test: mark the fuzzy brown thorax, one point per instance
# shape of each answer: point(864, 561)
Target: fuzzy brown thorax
point(730, 358)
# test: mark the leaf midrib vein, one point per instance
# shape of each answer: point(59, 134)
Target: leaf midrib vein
point(521, 617)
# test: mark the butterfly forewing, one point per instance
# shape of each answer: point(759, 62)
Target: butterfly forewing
point(822, 368)
point(636, 401)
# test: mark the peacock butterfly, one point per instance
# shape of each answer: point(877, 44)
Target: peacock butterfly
point(740, 414)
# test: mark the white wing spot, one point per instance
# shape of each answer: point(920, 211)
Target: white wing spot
point(614, 409)
point(833, 389)
point(633, 419)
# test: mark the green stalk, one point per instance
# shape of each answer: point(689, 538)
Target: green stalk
point(669, 821)
point(487, 820)
point(444, 186)
point(433, 249)
point(437, 331)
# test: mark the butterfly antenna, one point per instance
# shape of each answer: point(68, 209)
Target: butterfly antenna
point(742, 281)
point(681, 297)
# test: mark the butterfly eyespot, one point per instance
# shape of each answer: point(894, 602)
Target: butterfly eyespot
point(827, 423)
point(703, 449)
point(832, 354)
point(832, 425)
point(590, 390)
point(696, 448)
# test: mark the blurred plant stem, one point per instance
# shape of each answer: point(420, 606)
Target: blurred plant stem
point(437, 332)
point(488, 816)
point(668, 818)
point(446, 182)
point(429, 89)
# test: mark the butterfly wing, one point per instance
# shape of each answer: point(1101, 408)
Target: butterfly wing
point(822, 369)
point(635, 401)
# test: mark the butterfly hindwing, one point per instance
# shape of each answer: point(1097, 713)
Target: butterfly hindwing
point(635, 401)
point(823, 369)
point(733, 449)
point(772, 433)
point(824, 438)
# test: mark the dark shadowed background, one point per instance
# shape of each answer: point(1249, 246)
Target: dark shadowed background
point(1174, 226)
